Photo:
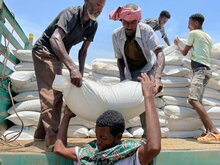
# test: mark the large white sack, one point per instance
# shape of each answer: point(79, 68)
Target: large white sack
point(179, 112)
point(213, 84)
point(216, 122)
point(213, 112)
point(106, 79)
point(23, 55)
point(24, 66)
point(216, 74)
point(172, 70)
point(181, 101)
point(169, 49)
point(93, 98)
point(180, 92)
point(77, 132)
point(77, 121)
point(187, 63)
point(211, 93)
point(105, 66)
point(24, 96)
point(134, 122)
point(23, 81)
point(215, 53)
point(173, 60)
point(29, 118)
point(210, 102)
point(30, 105)
point(161, 114)
point(137, 132)
point(125, 134)
point(215, 61)
point(159, 103)
point(27, 133)
point(185, 134)
point(184, 124)
point(175, 82)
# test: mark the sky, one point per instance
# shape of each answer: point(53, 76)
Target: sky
point(35, 15)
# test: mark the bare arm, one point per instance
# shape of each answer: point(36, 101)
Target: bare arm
point(184, 50)
point(160, 63)
point(167, 41)
point(56, 42)
point(82, 56)
point(61, 142)
point(121, 67)
point(153, 144)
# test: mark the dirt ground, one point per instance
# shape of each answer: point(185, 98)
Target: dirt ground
point(167, 144)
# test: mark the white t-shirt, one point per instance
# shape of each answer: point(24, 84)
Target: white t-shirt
point(132, 160)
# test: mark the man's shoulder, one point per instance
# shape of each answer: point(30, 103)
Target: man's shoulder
point(118, 30)
point(198, 33)
point(144, 27)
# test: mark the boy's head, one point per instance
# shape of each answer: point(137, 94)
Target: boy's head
point(196, 21)
point(109, 129)
point(164, 16)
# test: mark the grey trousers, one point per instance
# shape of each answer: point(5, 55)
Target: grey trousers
point(134, 75)
point(46, 67)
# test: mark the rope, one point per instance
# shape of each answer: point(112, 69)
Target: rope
point(3, 138)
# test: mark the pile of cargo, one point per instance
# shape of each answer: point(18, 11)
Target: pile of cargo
point(177, 118)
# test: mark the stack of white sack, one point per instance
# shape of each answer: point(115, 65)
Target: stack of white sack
point(184, 121)
point(27, 103)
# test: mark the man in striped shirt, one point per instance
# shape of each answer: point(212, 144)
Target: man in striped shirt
point(158, 24)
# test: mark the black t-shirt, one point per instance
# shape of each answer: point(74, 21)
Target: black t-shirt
point(70, 21)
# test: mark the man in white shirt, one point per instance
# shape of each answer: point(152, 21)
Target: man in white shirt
point(136, 48)
point(109, 149)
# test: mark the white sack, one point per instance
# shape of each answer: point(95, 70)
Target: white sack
point(24, 66)
point(159, 102)
point(184, 124)
point(180, 92)
point(181, 101)
point(77, 132)
point(24, 96)
point(23, 81)
point(30, 118)
point(106, 79)
point(137, 132)
point(172, 60)
point(213, 112)
point(185, 134)
point(215, 53)
point(30, 105)
point(179, 112)
point(105, 66)
point(172, 70)
point(94, 98)
point(213, 84)
point(210, 102)
point(23, 55)
point(77, 121)
point(27, 133)
point(175, 82)
point(211, 93)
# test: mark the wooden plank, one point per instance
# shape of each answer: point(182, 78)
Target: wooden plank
point(7, 34)
point(11, 19)
point(11, 57)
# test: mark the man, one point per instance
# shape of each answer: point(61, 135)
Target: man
point(158, 24)
point(135, 45)
point(108, 149)
point(72, 26)
point(200, 43)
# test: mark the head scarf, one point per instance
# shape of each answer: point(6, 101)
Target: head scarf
point(126, 14)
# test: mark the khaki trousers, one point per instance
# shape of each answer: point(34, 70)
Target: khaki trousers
point(46, 67)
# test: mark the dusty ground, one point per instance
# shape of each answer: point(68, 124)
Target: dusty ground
point(167, 144)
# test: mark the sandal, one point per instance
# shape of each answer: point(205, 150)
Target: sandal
point(209, 137)
point(202, 135)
